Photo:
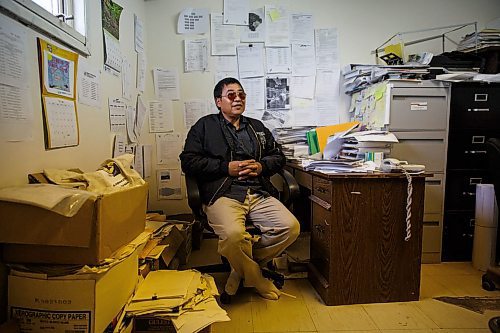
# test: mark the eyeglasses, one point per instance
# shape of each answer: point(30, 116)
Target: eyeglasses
point(232, 95)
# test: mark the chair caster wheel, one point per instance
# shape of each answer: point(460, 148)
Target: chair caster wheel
point(225, 298)
point(487, 284)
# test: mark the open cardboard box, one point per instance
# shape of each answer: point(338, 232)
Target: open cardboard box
point(71, 303)
point(101, 226)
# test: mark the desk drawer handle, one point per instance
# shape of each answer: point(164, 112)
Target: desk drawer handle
point(321, 190)
point(320, 202)
point(470, 194)
point(326, 223)
point(356, 192)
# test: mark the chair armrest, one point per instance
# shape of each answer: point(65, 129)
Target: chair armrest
point(291, 189)
point(193, 193)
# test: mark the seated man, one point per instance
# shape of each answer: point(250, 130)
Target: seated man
point(232, 158)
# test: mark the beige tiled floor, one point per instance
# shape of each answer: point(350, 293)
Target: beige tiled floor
point(307, 313)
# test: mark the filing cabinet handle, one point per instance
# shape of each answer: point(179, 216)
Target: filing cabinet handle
point(470, 194)
point(326, 223)
point(480, 97)
point(472, 222)
point(356, 192)
point(479, 109)
point(475, 152)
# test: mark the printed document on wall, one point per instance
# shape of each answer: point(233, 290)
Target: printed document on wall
point(278, 60)
point(168, 148)
point(303, 60)
point(225, 66)
point(141, 71)
point(193, 110)
point(193, 21)
point(236, 12)
point(169, 184)
point(16, 112)
point(224, 37)
point(195, 55)
point(117, 115)
point(277, 27)
point(161, 117)
point(89, 84)
point(138, 34)
point(127, 77)
point(251, 61)
point(166, 83)
point(302, 29)
point(255, 31)
point(256, 94)
point(327, 48)
point(61, 122)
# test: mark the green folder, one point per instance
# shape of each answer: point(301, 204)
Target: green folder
point(312, 141)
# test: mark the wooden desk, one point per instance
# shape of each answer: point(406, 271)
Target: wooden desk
point(358, 226)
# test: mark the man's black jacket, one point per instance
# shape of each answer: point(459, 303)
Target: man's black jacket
point(209, 148)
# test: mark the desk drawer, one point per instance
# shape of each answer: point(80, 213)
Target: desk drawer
point(320, 262)
point(321, 229)
point(322, 188)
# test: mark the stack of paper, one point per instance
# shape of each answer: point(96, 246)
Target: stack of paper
point(483, 39)
point(184, 297)
point(367, 145)
point(293, 141)
point(357, 77)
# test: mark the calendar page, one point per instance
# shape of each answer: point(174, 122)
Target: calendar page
point(61, 122)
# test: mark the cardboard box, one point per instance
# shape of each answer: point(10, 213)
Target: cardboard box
point(101, 226)
point(75, 303)
point(148, 323)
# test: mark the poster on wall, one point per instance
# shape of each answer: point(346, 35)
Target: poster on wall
point(58, 81)
point(169, 184)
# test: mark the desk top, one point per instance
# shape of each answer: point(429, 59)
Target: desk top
point(376, 174)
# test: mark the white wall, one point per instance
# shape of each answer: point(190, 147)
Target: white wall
point(362, 26)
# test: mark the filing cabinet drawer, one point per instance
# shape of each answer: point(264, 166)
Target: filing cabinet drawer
point(434, 190)
point(419, 108)
point(322, 188)
point(431, 241)
point(321, 229)
point(458, 236)
point(475, 106)
point(430, 153)
point(461, 188)
point(467, 148)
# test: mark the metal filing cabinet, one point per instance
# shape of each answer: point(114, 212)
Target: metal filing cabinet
point(419, 119)
point(474, 117)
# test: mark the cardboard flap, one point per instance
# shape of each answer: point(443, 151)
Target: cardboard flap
point(26, 224)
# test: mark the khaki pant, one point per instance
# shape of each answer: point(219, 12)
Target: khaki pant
point(277, 224)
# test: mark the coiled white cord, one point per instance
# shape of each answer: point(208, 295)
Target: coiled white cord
point(409, 191)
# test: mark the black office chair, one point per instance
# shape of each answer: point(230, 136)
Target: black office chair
point(289, 193)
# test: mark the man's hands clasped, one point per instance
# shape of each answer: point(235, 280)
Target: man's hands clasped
point(244, 169)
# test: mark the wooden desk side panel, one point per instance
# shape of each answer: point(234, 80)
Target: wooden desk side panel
point(369, 259)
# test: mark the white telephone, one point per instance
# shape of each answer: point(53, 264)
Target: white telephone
point(395, 165)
